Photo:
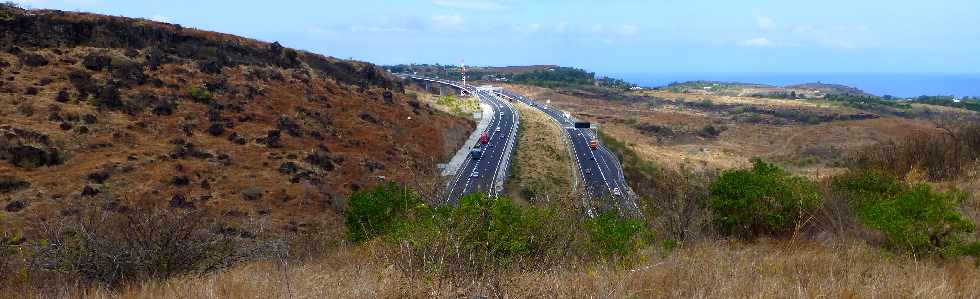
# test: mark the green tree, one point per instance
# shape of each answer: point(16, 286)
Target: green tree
point(384, 209)
point(761, 200)
point(913, 217)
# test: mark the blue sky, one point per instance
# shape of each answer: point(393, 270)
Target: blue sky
point(614, 36)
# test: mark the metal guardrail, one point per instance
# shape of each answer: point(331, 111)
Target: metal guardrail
point(566, 139)
point(503, 165)
point(628, 191)
point(503, 168)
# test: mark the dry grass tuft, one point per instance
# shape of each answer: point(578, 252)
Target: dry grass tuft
point(775, 269)
point(541, 165)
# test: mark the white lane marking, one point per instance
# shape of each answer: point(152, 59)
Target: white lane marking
point(600, 169)
point(581, 169)
point(476, 167)
point(503, 150)
point(570, 134)
point(457, 178)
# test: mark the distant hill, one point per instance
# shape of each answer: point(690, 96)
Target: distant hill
point(830, 89)
point(806, 90)
point(117, 110)
point(515, 69)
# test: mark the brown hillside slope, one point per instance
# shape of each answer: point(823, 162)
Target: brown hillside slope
point(118, 111)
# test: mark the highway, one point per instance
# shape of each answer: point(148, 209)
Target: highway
point(599, 169)
point(487, 173)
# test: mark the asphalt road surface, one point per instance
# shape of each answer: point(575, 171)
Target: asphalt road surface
point(483, 174)
point(600, 170)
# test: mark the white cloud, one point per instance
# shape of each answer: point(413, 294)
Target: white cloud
point(49, 3)
point(322, 33)
point(447, 20)
point(471, 4)
point(561, 27)
point(840, 37)
point(379, 29)
point(617, 30)
point(626, 30)
point(764, 23)
point(530, 28)
point(454, 22)
point(757, 42)
point(162, 19)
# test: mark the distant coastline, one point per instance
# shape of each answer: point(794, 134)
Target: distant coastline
point(898, 85)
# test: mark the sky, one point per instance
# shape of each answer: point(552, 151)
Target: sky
point(612, 36)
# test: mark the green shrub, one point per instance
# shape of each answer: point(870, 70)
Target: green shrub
point(709, 131)
point(913, 217)
point(200, 95)
point(498, 226)
point(612, 235)
point(482, 232)
point(379, 211)
point(761, 200)
point(112, 248)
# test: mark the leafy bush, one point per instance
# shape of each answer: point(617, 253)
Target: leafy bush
point(913, 217)
point(10, 244)
point(675, 200)
point(612, 235)
point(710, 131)
point(200, 95)
point(761, 200)
point(379, 211)
point(941, 157)
point(482, 233)
point(115, 247)
point(498, 227)
point(476, 238)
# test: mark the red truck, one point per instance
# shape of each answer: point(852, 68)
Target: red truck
point(484, 139)
point(594, 144)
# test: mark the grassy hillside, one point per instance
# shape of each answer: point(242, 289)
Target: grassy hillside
point(108, 124)
point(181, 163)
point(719, 270)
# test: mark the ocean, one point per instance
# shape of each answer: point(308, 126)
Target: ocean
point(899, 85)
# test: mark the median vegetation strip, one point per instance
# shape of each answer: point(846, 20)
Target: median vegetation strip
point(541, 164)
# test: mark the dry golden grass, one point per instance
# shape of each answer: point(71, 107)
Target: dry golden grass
point(541, 162)
point(463, 106)
point(391, 140)
point(804, 148)
point(777, 269)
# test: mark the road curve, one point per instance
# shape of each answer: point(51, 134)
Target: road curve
point(487, 173)
point(600, 170)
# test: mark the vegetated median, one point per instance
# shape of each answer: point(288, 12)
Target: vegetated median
point(541, 166)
